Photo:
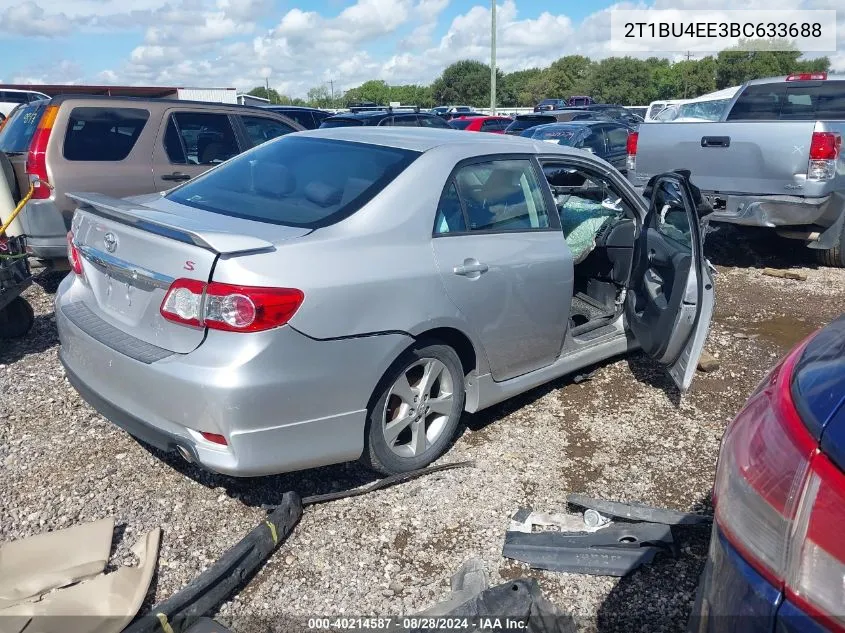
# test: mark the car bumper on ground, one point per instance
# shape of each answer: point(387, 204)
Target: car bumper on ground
point(282, 400)
point(733, 598)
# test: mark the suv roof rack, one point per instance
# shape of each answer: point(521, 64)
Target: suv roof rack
point(404, 108)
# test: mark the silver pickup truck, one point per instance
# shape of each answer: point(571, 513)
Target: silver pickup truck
point(773, 160)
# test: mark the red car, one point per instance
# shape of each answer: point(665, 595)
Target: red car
point(494, 124)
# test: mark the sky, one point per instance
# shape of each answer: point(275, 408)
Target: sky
point(300, 44)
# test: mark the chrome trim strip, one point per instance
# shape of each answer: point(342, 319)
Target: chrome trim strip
point(124, 271)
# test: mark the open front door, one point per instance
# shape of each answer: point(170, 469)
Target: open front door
point(670, 295)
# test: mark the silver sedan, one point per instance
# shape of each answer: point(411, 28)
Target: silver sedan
point(348, 293)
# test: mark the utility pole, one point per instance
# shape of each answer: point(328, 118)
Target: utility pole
point(689, 56)
point(493, 57)
point(267, 89)
point(331, 83)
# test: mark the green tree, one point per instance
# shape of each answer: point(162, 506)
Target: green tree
point(508, 91)
point(622, 80)
point(746, 61)
point(569, 76)
point(263, 93)
point(464, 82)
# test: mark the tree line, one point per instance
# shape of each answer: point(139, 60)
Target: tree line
point(620, 80)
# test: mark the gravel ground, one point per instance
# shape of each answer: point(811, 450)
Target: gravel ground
point(624, 434)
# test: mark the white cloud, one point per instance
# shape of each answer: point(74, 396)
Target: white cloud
point(28, 19)
point(222, 42)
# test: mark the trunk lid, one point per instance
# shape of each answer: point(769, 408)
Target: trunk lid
point(132, 253)
point(748, 157)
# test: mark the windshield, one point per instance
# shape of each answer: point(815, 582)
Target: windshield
point(19, 129)
point(523, 123)
point(295, 181)
point(705, 110)
point(560, 134)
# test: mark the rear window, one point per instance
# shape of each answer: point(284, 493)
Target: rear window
point(8, 96)
point(17, 134)
point(103, 134)
point(333, 122)
point(563, 135)
point(525, 122)
point(304, 182)
point(303, 117)
point(791, 101)
point(460, 124)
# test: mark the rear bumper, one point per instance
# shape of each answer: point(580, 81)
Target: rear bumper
point(778, 211)
point(46, 229)
point(283, 401)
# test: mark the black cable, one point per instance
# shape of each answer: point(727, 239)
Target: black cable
point(383, 483)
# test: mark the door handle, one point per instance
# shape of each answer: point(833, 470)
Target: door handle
point(176, 176)
point(471, 268)
point(715, 141)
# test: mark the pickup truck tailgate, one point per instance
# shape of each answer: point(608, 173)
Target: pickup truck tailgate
point(759, 157)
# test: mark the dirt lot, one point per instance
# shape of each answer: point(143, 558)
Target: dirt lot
point(624, 434)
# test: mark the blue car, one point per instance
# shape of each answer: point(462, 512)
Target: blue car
point(777, 554)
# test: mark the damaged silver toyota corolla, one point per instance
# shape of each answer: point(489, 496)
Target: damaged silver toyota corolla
point(348, 293)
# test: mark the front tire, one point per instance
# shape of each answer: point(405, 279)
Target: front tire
point(415, 410)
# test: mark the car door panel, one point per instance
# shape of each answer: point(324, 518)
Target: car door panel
point(670, 300)
point(515, 289)
point(511, 281)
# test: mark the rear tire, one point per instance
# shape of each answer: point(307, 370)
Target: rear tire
point(833, 257)
point(16, 319)
point(415, 410)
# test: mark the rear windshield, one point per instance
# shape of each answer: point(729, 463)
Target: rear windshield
point(460, 124)
point(791, 101)
point(333, 122)
point(525, 122)
point(563, 135)
point(303, 182)
point(103, 134)
point(17, 134)
point(577, 101)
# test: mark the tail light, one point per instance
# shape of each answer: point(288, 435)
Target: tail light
point(73, 255)
point(825, 148)
point(226, 307)
point(36, 160)
point(807, 76)
point(631, 147)
point(781, 502)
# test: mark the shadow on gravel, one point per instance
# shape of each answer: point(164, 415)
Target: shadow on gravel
point(268, 491)
point(478, 421)
point(49, 280)
point(659, 596)
point(754, 247)
point(40, 338)
point(649, 372)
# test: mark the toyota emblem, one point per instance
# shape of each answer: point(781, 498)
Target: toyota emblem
point(110, 240)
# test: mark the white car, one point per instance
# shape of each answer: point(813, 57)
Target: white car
point(10, 98)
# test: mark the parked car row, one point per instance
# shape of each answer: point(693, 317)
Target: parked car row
point(773, 159)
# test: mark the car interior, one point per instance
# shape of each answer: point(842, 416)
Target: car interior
point(599, 228)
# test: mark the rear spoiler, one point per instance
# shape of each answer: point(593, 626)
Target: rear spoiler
point(163, 223)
